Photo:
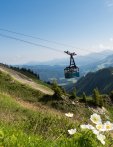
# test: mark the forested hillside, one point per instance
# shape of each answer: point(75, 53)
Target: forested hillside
point(102, 79)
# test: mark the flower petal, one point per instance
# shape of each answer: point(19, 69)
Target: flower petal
point(72, 131)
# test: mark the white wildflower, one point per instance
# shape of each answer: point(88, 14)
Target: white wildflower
point(101, 138)
point(108, 126)
point(83, 126)
point(100, 127)
point(95, 118)
point(72, 131)
point(69, 114)
point(73, 102)
point(90, 127)
point(96, 132)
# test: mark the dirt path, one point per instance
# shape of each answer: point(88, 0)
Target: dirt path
point(25, 80)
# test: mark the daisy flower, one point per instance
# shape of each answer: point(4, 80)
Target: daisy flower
point(95, 118)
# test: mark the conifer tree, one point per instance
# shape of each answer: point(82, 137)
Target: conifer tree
point(96, 96)
point(73, 94)
point(101, 101)
point(84, 97)
point(111, 96)
point(57, 90)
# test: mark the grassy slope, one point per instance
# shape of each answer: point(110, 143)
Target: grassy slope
point(15, 119)
point(27, 80)
point(10, 86)
point(31, 76)
point(17, 90)
point(22, 127)
point(18, 121)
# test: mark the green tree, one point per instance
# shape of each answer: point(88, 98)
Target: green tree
point(73, 94)
point(111, 96)
point(96, 96)
point(57, 90)
point(84, 97)
point(101, 101)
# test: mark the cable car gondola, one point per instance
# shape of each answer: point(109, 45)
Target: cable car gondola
point(72, 70)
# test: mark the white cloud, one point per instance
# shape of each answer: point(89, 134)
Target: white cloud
point(109, 3)
point(111, 39)
point(102, 46)
point(105, 46)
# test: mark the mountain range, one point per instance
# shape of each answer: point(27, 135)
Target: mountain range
point(55, 69)
point(80, 60)
point(102, 63)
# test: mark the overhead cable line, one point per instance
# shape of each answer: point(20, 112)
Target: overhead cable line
point(42, 39)
point(34, 37)
point(31, 43)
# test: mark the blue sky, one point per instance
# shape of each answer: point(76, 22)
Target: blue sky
point(84, 24)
